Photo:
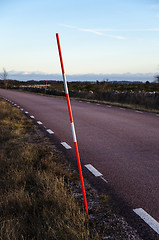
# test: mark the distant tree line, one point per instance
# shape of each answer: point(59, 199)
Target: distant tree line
point(141, 94)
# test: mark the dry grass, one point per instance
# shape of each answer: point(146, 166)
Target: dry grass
point(116, 104)
point(40, 194)
point(35, 201)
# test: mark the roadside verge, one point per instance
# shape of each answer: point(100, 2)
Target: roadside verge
point(41, 196)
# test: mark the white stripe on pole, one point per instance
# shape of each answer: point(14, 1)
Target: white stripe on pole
point(72, 124)
point(65, 83)
point(73, 132)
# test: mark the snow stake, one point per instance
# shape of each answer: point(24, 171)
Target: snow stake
point(72, 123)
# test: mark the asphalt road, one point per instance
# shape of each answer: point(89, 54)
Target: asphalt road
point(122, 144)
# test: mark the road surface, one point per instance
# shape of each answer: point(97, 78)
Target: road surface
point(121, 144)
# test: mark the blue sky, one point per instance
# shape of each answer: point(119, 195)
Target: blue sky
point(104, 37)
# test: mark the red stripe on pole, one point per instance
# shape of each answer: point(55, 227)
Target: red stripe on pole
point(69, 107)
point(72, 124)
point(60, 53)
point(81, 177)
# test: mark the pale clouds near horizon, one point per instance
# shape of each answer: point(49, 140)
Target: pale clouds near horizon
point(23, 76)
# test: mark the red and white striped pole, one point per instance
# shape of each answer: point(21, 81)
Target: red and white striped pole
point(72, 124)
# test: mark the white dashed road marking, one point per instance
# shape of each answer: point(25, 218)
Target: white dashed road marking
point(50, 131)
point(32, 117)
point(148, 219)
point(94, 171)
point(64, 144)
point(38, 122)
point(109, 106)
point(26, 112)
point(138, 111)
point(104, 179)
